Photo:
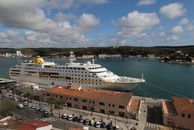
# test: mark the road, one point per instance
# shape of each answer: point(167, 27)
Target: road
point(65, 125)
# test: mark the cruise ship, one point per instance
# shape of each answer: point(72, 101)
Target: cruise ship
point(86, 74)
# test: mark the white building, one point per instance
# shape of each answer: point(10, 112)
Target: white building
point(104, 56)
point(19, 53)
point(88, 56)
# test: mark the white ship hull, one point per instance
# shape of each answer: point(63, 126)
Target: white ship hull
point(50, 83)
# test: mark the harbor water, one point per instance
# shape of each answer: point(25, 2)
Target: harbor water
point(163, 80)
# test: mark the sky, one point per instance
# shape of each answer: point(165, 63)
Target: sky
point(95, 23)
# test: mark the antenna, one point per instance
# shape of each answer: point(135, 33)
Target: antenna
point(142, 76)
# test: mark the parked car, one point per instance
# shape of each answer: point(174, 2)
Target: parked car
point(75, 119)
point(110, 127)
point(64, 116)
point(97, 124)
point(81, 120)
point(86, 121)
point(37, 108)
point(33, 106)
point(70, 117)
point(25, 103)
point(20, 106)
point(116, 127)
point(103, 124)
point(41, 110)
point(92, 122)
point(29, 105)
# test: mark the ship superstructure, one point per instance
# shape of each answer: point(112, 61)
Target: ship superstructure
point(72, 73)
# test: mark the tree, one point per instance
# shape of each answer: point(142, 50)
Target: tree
point(51, 101)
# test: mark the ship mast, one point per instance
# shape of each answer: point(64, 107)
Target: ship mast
point(71, 57)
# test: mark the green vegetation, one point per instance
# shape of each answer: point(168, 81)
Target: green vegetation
point(8, 106)
point(123, 50)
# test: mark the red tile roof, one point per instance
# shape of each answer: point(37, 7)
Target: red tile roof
point(92, 94)
point(33, 125)
point(134, 105)
point(183, 105)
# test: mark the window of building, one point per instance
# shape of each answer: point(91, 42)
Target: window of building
point(111, 112)
point(102, 111)
point(189, 116)
point(84, 107)
point(113, 105)
point(92, 109)
point(122, 114)
point(183, 115)
point(48, 95)
point(84, 100)
point(75, 99)
point(121, 107)
point(101, 103)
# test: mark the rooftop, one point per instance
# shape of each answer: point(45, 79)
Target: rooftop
point(134, 105)
point(183, 105)
point(33, 125)
point(168, 107)
point(92, 94)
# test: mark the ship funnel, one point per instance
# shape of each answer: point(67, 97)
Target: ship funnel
point(142, 76)
point(92, 61)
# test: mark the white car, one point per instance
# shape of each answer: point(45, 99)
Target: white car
point(25, 103)
point(33, 106)
point(97, 125)
point(20, 105)
point(64, 116)
point(70, 117)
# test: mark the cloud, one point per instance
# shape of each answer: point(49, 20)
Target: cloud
point(184, 21)
point(177, 29)
point(25, 14)
point(173, 10)
point(85, 21)
point(35, 29)
point(135, 23)
point(190, 27)
point(60, 16)
point(67, 4)
point(146, 2)
point(173, 38)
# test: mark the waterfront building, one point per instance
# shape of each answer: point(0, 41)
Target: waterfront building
point(133, 108)
point(88, 56)
point(104, 56)
point(94, 100)
point(19, 53)
point(179, 113)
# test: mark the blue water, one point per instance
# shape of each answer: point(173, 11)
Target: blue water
point(166, 80)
